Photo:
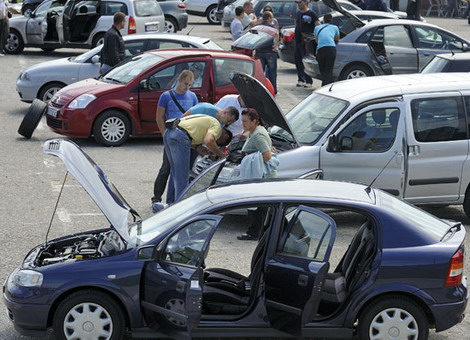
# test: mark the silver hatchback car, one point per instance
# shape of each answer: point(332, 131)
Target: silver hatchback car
point(80, 24)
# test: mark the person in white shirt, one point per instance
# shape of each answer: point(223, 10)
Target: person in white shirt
point(236, 101)
point(249, 19)
point(236, 27)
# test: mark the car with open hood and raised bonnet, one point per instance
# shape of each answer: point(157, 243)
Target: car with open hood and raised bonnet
point(401, 275)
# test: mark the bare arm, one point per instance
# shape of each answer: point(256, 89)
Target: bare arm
point(266, 156)
point(210, 142)
point(160, 118)
point(187, 113)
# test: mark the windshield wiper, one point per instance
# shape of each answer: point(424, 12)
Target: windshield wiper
point(115, 80)
point(456, 225)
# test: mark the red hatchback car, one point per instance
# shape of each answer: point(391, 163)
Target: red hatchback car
point(123, 101)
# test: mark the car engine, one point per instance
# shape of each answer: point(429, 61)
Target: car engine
point(79, 247)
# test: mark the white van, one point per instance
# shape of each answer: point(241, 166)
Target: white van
point(406, 134)
point(80, 24)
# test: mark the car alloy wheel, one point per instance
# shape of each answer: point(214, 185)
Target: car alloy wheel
point(49, 91)
point(170, 26)
point(211, 17)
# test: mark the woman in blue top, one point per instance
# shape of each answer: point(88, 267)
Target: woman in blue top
point(326, 35)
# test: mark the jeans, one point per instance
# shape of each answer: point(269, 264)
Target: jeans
point(105, 68)
point(326, 61)
point(161, 180)
point(299, 53)
point(178, 151)
point(269, 61)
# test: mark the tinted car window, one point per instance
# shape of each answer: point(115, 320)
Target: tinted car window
point(459, 66)
point(110, 7)
point(224, 67)
point(438, 119)
point(147, 8)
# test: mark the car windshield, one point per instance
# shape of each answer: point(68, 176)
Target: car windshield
point(147, 8)
point(87, 55)
point(146, 230)
point(125, 72)
point(311, 117)
point(421, 219)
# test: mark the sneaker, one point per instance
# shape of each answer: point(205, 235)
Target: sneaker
point(300, 84)
point(308, 85)
point(158, 206)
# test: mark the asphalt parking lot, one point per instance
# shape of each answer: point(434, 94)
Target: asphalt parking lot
point(30, 181)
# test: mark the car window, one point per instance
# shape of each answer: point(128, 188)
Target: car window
point(126, 71)
point(435, 65)
point(42, 9)
point(373, 130)
point(134, 47)
point(438, 119)
point(397, 35)
point(147, 8)
point(186, 246)
point(432, 38)
point(168, 77)
point(111, 7)
point(459, 66)
point(308, 235)
point(364, 37)
point(224, 67)
point(171, 44)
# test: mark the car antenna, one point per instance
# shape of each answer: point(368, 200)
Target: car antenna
point(56, 204)
point(329, 90)
point(190, 30)
point(368, 189)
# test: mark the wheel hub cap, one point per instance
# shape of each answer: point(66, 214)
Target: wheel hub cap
point(88, 326)
point(88, 321)
point(394, 332)
point(394, 323)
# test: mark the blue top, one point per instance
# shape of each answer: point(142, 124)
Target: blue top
point(327, 35)
point(204, 109)
point(186, 100)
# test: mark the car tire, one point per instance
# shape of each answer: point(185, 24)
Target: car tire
point(26, 10)
point(111, 128)
point(32, 118)
point(466, 202)
point(170, 25)
point(355, 71)
point(98, 39)
point(47, 91)
point(80, 310)
point(174, 302)
point(405, 319)
point(210, 15)
point(14, 43)
point(47, 49)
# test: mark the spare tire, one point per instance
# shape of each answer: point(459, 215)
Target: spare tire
point(32, 118)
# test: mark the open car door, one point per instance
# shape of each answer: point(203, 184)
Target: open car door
point(173, 278)
point(295, 274)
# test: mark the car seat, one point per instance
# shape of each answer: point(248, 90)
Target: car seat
point(339, 283)
point(387, 138)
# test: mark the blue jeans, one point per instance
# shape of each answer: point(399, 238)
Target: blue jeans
point(299, 53)
point(269, 61)
point(105, 68)
point(178, 150)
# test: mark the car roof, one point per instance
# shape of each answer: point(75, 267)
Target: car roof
point(362, 89)
point(185, 52)
point(291, 189)
point(384, 15)
point(176, 36)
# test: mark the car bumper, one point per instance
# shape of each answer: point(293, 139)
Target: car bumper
point(28, 319)
point(286, 53)
point(182, 22)
point(450, 314)
point(26, 90)
point(311, 67)
point(80, 126)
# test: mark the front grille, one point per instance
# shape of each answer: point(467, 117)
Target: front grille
point(54, 123)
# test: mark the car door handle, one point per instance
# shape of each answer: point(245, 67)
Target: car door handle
point(302, 280)
point(426, 54)
point(180, 286)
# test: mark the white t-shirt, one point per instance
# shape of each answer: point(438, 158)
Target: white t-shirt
point(235, 128)
point(3, 10)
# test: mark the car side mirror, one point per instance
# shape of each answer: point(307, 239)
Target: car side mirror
point(332, 145)
point(147, 253)
point(346, 143)
point(144, 84)
point(95, 59)
point(465, 48)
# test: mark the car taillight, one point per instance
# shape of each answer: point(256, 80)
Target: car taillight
point(181, 6)
point(287, 36)
point(131, 29)
point(454, 276)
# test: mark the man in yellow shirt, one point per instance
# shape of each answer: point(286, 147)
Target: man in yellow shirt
point(189, 131)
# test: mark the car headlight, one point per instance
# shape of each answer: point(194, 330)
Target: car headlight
point(28, 278)
point(24, 76)
point(82, 101)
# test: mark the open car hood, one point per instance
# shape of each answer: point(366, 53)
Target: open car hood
point(256, 96)
point(95, 182)
point(333, 4)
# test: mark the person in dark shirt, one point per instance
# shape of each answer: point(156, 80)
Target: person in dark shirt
point(305, 22)
point(113, 51)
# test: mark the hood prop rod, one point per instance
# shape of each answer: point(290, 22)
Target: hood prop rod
point(56, 205)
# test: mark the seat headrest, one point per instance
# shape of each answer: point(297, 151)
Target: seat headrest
point(393, 118)
point(379, 116)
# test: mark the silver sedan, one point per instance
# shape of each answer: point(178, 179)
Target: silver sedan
point(43, 80)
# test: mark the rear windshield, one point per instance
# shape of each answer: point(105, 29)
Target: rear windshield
point(426, 222)
point(147, 8)
point(210, 45)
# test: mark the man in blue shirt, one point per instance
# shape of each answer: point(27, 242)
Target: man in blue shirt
point(326, 35)
point(167, 108)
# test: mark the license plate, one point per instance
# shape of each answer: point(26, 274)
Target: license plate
point(52, 112)
point(151, 28)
